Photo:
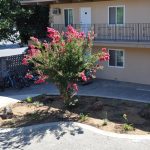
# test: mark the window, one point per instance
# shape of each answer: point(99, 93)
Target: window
point(68, 17)
point(116, 15)
point(116, 58)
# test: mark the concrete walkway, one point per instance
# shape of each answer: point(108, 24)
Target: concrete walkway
point(4, 101)
point(68, 136)
point(102, 88)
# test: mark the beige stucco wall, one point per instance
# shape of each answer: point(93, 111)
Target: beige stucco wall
point(136, 11)
point(137, 60)
point(136, 68)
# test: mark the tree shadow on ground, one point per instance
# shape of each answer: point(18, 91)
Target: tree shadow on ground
point(18, 138)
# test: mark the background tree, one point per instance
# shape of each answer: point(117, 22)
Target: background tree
point(34, 24)
point(9, 11)
point(27, 20)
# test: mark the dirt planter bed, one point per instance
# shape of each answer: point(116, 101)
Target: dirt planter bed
point(105, 114)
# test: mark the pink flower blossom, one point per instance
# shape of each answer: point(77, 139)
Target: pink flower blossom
point(54, 35)
point(34, 39)
point(29, 76)
point(104, 57)
point(81, 35)
point(83, 76)
point(33, 52)
point(103, 49)
point(25, 61)
point(71, 29)
point(42, 78)
point(107, 57)
point(45, 45)
point(63, 44)
point(73, 34)
point(51, 30)
point(75, 87)
point(39, 81)
point(90, 36)
point(31, 46)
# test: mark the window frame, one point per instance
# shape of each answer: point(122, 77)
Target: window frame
point(121, 67)
point(68, 16)
point(116, 15)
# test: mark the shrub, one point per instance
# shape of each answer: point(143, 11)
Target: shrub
point(127, 126)
point(83, 117)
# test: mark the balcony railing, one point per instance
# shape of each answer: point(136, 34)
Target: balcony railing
point(132, 32)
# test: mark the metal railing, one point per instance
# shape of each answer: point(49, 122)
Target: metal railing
point(133, 32)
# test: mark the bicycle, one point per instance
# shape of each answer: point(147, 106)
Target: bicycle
point(13, 80)
point(2, 84)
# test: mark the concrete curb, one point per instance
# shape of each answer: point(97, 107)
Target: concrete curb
point(114, 135)
point(87, 127)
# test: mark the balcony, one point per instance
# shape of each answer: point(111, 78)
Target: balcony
point(136, 33)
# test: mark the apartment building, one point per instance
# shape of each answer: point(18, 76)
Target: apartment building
point(122, 26)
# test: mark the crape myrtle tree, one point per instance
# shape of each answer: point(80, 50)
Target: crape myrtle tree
point(64, 60)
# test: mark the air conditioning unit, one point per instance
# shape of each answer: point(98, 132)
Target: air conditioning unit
point(56, 11)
